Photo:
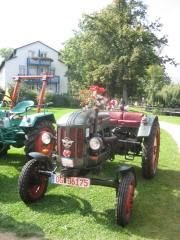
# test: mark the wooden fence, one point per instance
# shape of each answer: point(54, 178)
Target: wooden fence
point(166, 111)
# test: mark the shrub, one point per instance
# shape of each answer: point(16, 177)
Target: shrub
point(33, 95)
point(48, 96)
point(157, 111)
point(174, 103)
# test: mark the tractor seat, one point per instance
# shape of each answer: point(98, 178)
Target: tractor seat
point(21, 107)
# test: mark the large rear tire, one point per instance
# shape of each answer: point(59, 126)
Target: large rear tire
point(150, 152)
point(31, 185)
point(34, 143)
point(125, 199)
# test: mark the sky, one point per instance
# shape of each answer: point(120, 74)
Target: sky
point(52, 22)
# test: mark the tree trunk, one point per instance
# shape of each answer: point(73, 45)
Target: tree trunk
point(125, 96)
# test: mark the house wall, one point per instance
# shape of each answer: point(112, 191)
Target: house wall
point(11, 67)
point(2, 78)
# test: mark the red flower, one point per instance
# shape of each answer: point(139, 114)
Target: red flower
point(101, 90)
point(82, 92)
point(77, 98)
point(93, 88)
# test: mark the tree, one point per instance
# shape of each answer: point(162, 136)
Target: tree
point(169, 95)
point(115, 47)
point(5, 52)
point(154, 81)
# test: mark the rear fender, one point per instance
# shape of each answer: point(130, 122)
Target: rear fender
point(145, 128)
point(125, 169)
point(42, 158)
point(30, 120)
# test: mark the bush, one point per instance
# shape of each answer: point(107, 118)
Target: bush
point(74, 103)
point(174, 103)
point(48, 96)
point(157, 111)
point(59, 100)
point(33, 95)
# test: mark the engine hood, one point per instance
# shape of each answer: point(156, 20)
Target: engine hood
point(82, 117)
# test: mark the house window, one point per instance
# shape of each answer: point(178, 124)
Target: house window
point(44, 69)
point(43, 54)
point(22, 70)
point(53, 71)
point(32, 70)
point(31, 53)
point(31, 86)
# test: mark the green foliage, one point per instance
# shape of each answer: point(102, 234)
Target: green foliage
point(24, 93)
point(5, 52)
point(174, 103)
point(74, 87)
point(1, 91)
point(33, 95)
point(155, 79)
point(169, 95)
point(48, 96)
point(114, 47)
point(64, 100)
point(157, 111)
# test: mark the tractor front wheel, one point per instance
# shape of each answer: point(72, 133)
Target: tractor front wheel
point(125, 199)
point(31, 185)
point(34, 143)
point(150, 152)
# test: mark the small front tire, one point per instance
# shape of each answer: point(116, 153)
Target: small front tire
point(31, 185)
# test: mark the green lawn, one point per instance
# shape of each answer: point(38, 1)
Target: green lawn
point(74, 213)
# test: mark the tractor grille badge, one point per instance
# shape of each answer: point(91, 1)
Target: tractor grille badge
point(67, 142)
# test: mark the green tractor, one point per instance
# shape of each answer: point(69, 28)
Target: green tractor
point(19, 129)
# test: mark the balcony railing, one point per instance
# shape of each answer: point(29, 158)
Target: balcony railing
point(39, 61)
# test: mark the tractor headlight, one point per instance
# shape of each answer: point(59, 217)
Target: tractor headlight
point(46, 138)
point(96, 143)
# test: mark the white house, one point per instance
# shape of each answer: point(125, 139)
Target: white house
point(35, 59)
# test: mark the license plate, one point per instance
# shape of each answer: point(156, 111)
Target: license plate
point(71, 181)
point(67, 162)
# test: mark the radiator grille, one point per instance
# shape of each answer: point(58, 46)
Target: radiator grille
point(76, 135)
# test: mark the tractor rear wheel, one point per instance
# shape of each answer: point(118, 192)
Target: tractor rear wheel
point(150, 152)
point(125, 199)
point(31, 185)
point(34, 143)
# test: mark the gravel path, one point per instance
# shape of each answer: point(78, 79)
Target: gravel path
point(172, 129)
point(11, 236)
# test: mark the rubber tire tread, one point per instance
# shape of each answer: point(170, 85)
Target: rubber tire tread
point(122, 192)
point(30, 143)
point(147, 153)
point(23, 182)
